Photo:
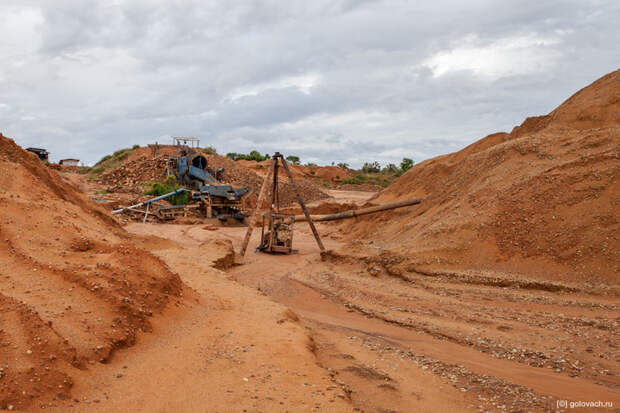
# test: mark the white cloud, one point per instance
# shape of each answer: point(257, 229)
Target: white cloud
point(514, 55)
point(303, 83)
point(20, 27)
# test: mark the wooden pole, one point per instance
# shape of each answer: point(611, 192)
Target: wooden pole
point(301, 203)
point(259, 203)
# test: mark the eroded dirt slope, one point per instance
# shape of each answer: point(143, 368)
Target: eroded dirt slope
point(541, 201)
point(73, 289)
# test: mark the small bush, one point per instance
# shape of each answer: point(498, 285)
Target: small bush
point(356, 180)
point(121, 154)
point(135, 147)
point(169, 185)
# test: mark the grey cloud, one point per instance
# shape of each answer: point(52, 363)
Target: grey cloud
point(103, 75)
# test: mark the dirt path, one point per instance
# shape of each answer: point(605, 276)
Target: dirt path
point(385, 339)
point(232, 349)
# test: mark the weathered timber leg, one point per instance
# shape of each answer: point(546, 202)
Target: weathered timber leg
point(303, 206)
point(254, 218)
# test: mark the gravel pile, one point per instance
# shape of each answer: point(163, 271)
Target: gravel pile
point(131, 176)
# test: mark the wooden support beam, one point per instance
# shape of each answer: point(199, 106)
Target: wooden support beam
point(259, 203)
point(301, 203)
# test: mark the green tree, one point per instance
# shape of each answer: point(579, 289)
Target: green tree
point(343, 165)
point(391, 169)
point(406, 164)
point(234, 156)
point(252, 156)
point(373, 167)
point(293, 159)
point(255, 156)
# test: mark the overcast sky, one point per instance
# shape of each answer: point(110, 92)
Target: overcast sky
point(344, 81)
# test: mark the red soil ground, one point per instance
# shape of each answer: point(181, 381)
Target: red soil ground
point(73, 289)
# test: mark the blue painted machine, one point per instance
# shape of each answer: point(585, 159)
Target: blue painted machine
point(191, 171)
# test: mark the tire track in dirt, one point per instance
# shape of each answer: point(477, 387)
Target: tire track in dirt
point(492, 350)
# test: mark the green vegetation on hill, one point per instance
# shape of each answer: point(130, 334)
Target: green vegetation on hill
point(372, 173)
point(111, 161)
point(371, 178)
point(252, 156)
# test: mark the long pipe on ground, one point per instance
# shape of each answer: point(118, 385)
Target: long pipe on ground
point(159, 198)
point(364, 211)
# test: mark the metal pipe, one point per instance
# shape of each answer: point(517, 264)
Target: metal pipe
point(364, 211)
point(159, 198)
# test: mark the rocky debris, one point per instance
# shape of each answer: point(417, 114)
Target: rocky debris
point(81, 244)
point(133, 175)
point(564, 328)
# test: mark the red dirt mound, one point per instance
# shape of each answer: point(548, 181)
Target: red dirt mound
point(73, 288)
point(152, 151)
point(542, 201)
point(331, 174)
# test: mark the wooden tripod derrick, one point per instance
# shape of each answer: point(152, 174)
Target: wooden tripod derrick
point(279, 235)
